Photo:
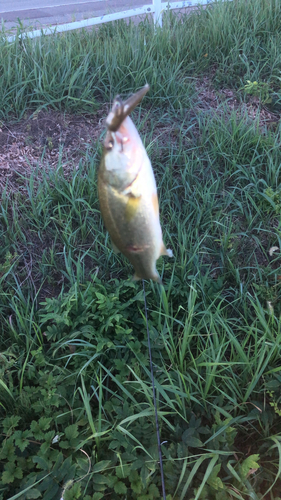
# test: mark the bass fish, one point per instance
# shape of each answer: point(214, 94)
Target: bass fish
point(128, 194)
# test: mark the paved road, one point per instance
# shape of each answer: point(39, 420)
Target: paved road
point(51, 12)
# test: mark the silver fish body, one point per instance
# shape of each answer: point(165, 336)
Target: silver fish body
point(128, 193)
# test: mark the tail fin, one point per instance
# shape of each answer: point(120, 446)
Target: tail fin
point(156, 278)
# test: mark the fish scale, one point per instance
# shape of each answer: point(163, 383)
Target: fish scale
point(128, 193)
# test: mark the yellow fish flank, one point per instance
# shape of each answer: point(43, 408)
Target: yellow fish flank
point(128, 194)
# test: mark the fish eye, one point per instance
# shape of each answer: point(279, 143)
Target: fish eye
point(109, 145)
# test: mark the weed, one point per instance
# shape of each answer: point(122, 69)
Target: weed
point(260, 90)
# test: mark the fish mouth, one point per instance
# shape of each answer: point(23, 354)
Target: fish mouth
point(121, 109)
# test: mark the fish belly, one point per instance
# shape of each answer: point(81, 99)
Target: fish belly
point(134, 227)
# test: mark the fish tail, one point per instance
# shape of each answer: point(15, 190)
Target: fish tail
point(156, 278)
point(136, 278)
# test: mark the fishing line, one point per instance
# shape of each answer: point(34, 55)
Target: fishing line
point(154, 399)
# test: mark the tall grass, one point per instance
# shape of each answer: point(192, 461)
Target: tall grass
point(239, 40)
point(216, 344)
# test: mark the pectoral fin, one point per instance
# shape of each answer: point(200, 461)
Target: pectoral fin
point(132, 207)
point(166, 251)
point(155, 204)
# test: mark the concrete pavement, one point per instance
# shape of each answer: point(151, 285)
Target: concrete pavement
point(52, 12)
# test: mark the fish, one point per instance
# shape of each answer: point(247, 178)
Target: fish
point(128, 194)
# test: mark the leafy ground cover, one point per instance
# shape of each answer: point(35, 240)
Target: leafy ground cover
point(77, 418)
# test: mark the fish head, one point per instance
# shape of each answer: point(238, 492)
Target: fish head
point(123, 147)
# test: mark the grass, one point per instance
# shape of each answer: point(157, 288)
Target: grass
point(77, 417)
point(239, 41)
